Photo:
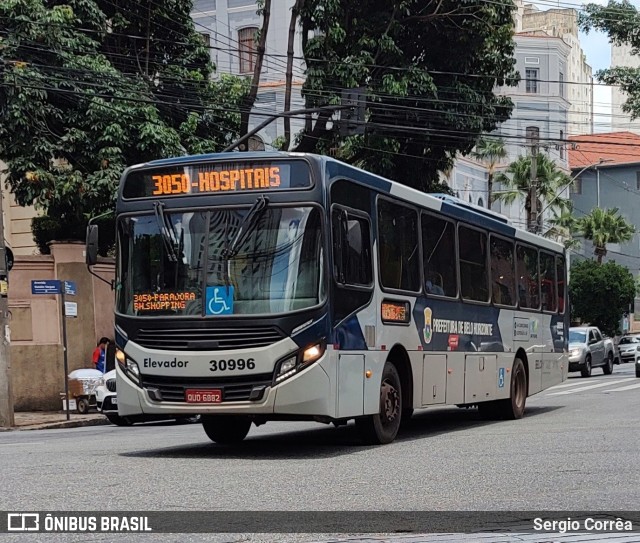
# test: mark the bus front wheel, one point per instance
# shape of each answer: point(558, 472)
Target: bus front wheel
point(226, 429)
point(382, 427)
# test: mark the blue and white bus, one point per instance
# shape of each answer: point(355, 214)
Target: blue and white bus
point(253, 287)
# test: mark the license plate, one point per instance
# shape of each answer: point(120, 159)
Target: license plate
point(114, 400)
point(203, 396)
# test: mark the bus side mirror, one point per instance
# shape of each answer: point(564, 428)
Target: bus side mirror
point(92, 245)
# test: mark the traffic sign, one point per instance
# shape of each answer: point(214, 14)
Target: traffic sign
point(70, 288)
point(45, 286)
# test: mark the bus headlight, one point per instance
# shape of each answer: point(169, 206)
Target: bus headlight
point(128, 366)
point(303, 358)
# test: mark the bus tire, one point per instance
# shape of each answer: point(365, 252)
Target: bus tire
point(225, 429)
point(118, 420)
point(382, 428)
point(513, 407)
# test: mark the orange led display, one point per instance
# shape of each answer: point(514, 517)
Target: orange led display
point(158, 301)
point(217, 181)
point(395, 312)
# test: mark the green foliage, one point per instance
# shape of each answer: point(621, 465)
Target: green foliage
point(90, 87)
point(602, 226)
point(429, 70)
point(600, 294)
point(620, 20)
point(550, 181)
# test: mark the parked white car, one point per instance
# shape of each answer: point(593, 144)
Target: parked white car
point(107, 402)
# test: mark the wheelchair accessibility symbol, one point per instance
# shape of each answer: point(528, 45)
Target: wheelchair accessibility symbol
point(219, 300)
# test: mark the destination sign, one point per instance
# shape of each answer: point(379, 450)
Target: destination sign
point(395, 311)
point(217, 178)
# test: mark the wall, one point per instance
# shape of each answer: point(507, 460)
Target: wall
point(36, 337)
point(621, 56)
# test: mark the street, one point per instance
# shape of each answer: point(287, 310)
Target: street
point(576, 449)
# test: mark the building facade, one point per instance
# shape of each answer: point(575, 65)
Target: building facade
point(577, 76)
point(230, 29)
point(607, 171)
point(541, 109)
point(621, 121)
point(17, 222)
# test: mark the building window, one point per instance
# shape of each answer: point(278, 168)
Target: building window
point(561, 84)
point(247, 47)
point(638, 180)
point(480, 202)
point(562, 144)
point(531, 75)
point(531, 60)
point(576, 187)
point(206, 39)
point(532, 135)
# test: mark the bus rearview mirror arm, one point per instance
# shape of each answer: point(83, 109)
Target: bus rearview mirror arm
point(91, 249)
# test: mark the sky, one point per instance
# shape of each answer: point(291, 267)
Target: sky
point(598, 51)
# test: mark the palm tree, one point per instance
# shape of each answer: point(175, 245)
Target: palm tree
point(562, 226)
point(602, 226)
point(491, 151)
point(550, 182)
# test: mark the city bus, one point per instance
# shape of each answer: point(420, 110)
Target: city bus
point(254, 287)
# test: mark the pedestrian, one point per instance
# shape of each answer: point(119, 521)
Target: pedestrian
point(100, 354)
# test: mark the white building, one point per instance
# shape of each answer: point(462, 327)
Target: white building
point(621, 121)
point(577, 77)
point(230, 28)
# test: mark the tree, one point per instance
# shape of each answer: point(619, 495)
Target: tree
point(93, 86)
point(428, 69)
point(603, 226)
point(620, 20)
point(517, 184)
point(490, 150)
point(600, 294)
point(250, 98)
point(562, 226)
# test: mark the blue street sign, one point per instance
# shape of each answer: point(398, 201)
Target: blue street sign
point(45, 286)
point(70, 288)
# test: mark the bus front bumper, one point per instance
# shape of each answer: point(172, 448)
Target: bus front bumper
point(310, 392)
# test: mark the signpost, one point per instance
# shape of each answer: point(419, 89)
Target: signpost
point(67, 309)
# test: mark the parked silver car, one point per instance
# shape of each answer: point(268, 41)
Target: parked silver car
point(629, 347)
point(588, 349)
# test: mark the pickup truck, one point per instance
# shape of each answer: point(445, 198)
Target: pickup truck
point(588, 349)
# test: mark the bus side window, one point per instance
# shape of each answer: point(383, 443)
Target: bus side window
point(474, 276)
point(560, 271)
point(528, 277)
point(398, 246)
point(439, 256)
point(503, 279)
point(548, 284)
point(351, 248)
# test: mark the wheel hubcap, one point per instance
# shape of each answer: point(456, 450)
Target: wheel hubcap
point(390, 400)
point(519, 388)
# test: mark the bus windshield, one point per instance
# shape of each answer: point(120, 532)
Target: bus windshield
point(220, 262)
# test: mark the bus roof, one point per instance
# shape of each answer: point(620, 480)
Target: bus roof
point(448, 205)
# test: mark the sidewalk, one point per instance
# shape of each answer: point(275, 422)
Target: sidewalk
point(42, 420)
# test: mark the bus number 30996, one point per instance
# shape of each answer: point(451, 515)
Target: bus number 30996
point(231, 364)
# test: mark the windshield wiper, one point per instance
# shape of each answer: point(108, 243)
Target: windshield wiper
point(247, 225)
point(166, 230)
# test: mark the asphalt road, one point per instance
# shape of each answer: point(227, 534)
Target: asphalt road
point(576, 449)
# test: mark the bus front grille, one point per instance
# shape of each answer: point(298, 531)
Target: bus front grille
point(216, 339)
point(234, 389)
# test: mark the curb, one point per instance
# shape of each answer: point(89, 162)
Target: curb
point(62, 424)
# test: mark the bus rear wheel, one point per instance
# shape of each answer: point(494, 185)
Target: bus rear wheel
point(383, 427)
point(513, 407)
point(225, 429)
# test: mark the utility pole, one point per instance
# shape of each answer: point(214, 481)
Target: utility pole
point(532, 136)
point(6, 393)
